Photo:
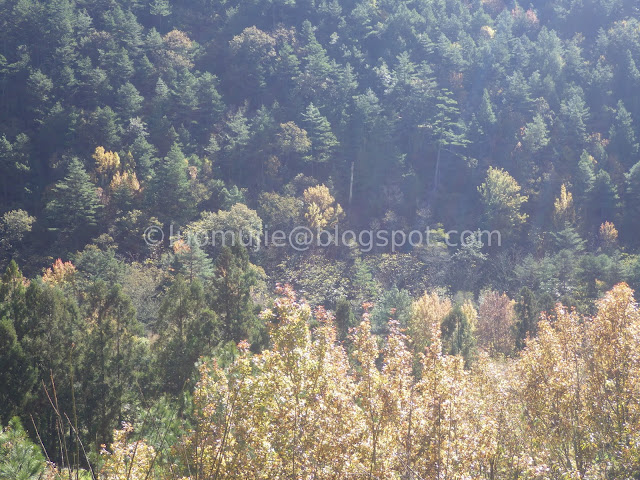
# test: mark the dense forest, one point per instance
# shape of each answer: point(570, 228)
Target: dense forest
point(504, 344)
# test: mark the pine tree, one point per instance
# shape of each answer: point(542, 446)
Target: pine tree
point(74, 209)
point(20, 458)
point(345, 319)
point(623, 137)
point(103, 129)
point(394, 304)
point(187, 329)
point(574, 114)
point(602, 201)
point(210, 104)
point(160, 9)
point(13, 226)
point(446, 130)
point(129, 101)
point(457, 334)
point(191, 261)
point(585, 176)
point(112, 358)
point(170, 192)
point(486, 116)
point(17, 376)
point(233, 278)
point(323, 141)
point(318, 71)
point(536, 134)
point(527, 316)
point(14, 166)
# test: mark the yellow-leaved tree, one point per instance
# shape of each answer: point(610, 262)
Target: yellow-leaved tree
point(567, 408)
point(128, 459)
point(613, 386)
point(107, 164)
point(322, 211)
point(286, 413)
point(430, 308)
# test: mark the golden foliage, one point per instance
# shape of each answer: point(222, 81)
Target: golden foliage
point(487, 31)
point(608, 235)
point(496, 321)
point(128, 460)
point(321, 211)
point(302, 410)
point(563, 210)
point(580, 385)
point(125, 180)
point(567, 408)
point(59, 273)
point(107, 163)
point(427, 310)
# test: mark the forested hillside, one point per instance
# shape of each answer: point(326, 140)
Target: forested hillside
point(504, 343)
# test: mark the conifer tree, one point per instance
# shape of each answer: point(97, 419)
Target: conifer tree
point(187, 329)
point(486, 115)
point(113, 358)
point(233, 279)
point(323, 141)
point(17, 376)
point(74, 209)
point(170, 193)
point(623, 137)
point(602, 201)
point(527, 316)
point(446, 130)
point(129, 101)
point(345, 319)
point(14, 166)
point(457, 334)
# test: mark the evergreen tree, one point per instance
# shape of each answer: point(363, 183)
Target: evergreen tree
point(74, 209)
point(574, 115)
point(233, 279)
point(486, 115)
point(170, 194)
point(187, 329)
point(447, 131)
point(210, 104)
point(102, 129)
point(17, 376)
point(527, 316)
point(52, 340)
point(602, 201)
point(20, 458)
point(345, 319)
point(394, 304)
point(129, 100)
point(14, 167)
point(113, 359)
point(191, 261)
point(457, 334)
point(323, 141)
point(14, 225)
point(585, 175)
point(535, 135)
point(623, 138)
point(317, 72)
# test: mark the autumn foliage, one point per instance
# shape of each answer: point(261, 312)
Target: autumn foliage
point(568, 407)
